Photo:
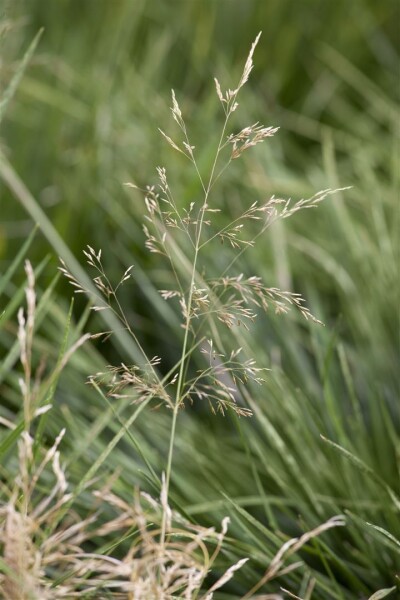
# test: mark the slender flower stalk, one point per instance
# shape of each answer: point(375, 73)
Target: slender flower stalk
point(178, 397)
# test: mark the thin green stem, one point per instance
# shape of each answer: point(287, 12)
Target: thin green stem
point(168, 471)
point(180, 383)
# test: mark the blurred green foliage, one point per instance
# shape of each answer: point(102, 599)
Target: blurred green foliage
point(87, 112)
point(85, 119)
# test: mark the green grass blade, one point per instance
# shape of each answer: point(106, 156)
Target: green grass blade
point(12, 86)
point(363, 468)
point(382, 593)
point(16, 262)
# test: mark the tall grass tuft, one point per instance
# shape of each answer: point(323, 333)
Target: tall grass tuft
point(179, 236)
point(75, 526)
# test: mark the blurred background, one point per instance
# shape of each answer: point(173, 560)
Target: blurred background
point(85, 119)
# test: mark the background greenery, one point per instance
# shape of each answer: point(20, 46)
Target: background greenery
point(84, 120)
